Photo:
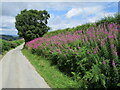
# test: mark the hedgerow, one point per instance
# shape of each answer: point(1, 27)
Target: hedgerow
point(89, 56)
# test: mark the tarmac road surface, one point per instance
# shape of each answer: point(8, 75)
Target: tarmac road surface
point(17, 72)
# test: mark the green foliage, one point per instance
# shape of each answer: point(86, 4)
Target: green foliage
point(7, 45)
point(92, 59)
point(110, 19)
point(50, 73)
point(61, 31)
point(31, 24)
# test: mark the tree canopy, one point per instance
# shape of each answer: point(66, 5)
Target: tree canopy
point(32, 24)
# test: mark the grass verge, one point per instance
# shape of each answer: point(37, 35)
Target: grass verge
point(2, 55)
point(51, 74)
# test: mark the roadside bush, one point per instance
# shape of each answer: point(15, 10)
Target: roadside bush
point(7, 45)
point(89, 56)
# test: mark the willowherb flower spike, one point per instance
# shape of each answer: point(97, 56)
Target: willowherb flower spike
point(113, 63)
point(115, 52)
point(104, 62)
point(112, 45)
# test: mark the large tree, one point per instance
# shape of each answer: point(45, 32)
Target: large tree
point(32, 24)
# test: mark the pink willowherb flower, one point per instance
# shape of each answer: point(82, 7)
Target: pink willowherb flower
point(112, 45)
point(50, 51)
point(110, 36)
point(115, 52)
point(113, 63)
point(98, 39)
point(104, 62)
point(79, 31)
point(102, 43)
point(86, 38)
point(88, 52)
point(64, 55)
point(58, 50)
point(72, 50)
point(95, 51)
point(66, 51)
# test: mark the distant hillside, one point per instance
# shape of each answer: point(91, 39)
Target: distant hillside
point(9, 37)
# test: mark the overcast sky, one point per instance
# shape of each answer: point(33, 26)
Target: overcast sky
point(63, 14)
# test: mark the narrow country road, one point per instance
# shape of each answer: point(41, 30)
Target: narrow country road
point(17, 72)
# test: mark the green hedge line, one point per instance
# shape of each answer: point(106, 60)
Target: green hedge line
point(7, 45)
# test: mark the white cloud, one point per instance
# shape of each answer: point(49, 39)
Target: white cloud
point(55, 19)
point(99, 16)
point(2, 29)
point(58, 22)
point(97, 13)
point(8, 21)
point(92, 10)
point(8, 31)
point(8, 25)
point(74, 12)
point(89, 14)
point(84, 11)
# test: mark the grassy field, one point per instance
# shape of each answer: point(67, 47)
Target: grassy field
point(51, 74)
